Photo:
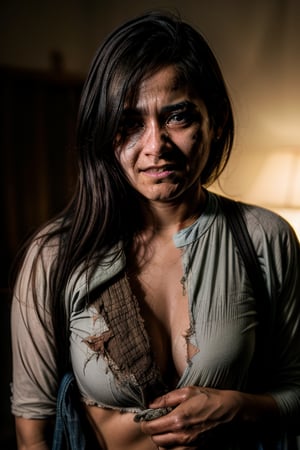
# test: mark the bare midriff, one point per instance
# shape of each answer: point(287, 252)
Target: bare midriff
point(117, 430)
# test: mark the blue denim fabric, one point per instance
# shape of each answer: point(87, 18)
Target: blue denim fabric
point(68, 432)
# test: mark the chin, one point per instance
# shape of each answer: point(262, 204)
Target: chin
point(163, 195)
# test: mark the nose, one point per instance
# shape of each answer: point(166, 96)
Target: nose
point(156, 139)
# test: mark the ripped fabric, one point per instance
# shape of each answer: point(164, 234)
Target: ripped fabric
point(125, 345)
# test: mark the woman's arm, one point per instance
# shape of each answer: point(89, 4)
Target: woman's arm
point(34, 434)
point(35, 375)
point(200, 410)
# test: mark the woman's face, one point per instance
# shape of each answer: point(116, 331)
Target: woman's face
point(164, 141)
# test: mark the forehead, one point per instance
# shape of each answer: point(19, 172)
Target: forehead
point(166, 79)
point(164, 82)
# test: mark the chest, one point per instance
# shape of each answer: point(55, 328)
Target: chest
point(220, 308)
point(160, 290)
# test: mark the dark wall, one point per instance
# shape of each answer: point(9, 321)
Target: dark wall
point(38, 113)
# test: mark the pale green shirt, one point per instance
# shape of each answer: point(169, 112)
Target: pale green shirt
point(223, 318)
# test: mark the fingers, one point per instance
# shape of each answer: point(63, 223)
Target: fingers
point(195, 413)
point(176, 424)
point(159, 425)
point(175, 397)
point(180, 439)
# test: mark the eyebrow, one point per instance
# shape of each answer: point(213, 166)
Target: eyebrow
point(186, 104)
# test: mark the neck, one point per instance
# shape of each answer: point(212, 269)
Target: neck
point(171, 217)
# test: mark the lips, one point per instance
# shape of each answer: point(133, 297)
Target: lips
point(159, 169)
point(159, 172)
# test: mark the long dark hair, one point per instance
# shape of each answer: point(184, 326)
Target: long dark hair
point(104, 209)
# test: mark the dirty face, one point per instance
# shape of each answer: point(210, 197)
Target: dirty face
point(164, 140)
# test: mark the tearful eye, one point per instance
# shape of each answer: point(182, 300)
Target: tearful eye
point(183, 118)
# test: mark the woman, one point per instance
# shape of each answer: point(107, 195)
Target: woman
point(137, 287)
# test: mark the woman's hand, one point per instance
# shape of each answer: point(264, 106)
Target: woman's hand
point(198, 411)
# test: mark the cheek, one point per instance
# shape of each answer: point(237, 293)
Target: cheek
point(199, 148)
point(131, 142)
point(197, 138)
point(127, 152)
point(194, 143)
point(127, 159)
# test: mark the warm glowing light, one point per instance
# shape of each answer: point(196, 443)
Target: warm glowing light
point(278, 182)
point(277, 185)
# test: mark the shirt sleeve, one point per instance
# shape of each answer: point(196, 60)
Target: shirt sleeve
point(279, 252)
point(35, 376)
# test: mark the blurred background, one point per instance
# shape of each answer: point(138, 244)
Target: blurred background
point(45, 51)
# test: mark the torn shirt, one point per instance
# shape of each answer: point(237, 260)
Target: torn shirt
point(222, 312)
